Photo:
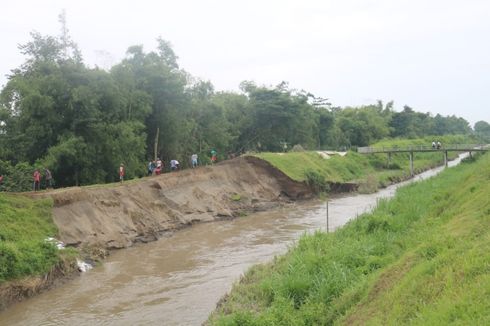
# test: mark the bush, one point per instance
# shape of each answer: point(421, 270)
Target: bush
point(369, 186)
point(26, 258)
point(297, 148)
point(24, 226)
point(8, 261)
point(471, 159)
point(316, 181)
point(16, 178)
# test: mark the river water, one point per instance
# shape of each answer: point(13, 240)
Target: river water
point(178, 280)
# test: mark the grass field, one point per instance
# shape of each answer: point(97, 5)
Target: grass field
point(422, 258)
point(24, 224)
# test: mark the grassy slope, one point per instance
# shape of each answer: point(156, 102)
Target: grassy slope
point(357, 167)
point(24, 224)
point(421, 258)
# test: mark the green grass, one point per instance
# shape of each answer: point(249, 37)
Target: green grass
point(361, 168)
point(336, 169)
point(24, 224)
point(421, 258)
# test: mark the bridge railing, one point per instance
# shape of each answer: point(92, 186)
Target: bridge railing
point(423, 148)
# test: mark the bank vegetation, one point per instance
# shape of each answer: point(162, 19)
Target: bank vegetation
point(420, 258)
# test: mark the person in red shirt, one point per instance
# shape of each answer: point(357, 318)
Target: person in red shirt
point(121, 172)
point(37, 180)
point(159, 167)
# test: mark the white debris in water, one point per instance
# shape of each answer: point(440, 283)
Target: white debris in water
point(57, 243)
point(83, 266)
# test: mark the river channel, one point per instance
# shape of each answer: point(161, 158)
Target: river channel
point(178, 280)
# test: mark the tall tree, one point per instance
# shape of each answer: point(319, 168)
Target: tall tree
point(482, 130)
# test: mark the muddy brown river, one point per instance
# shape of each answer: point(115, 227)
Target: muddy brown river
point(178, 280)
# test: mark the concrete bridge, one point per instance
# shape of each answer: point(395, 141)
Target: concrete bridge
point(418, 148)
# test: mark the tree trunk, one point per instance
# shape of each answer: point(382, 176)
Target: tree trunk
point(155, 150)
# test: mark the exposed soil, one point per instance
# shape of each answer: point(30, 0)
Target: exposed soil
point(116, 216)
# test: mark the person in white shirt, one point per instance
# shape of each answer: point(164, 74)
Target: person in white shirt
point(174, 165)
point(194, 160)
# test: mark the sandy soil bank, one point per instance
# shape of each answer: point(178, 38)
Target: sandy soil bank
point(116, 216)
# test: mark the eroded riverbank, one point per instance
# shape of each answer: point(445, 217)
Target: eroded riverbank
point(113, 217)
point(178, 280)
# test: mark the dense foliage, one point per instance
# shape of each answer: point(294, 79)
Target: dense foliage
point(482, 130)
point(83, 122)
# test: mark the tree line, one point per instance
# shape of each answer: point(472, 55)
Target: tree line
point(82, 122)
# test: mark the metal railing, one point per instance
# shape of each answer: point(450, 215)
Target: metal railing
point(423, 148)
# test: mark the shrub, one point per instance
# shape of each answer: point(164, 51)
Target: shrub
point(16, 178)
point(369, 186)
point(24, 226)
point(297, 148)
point(26, 258)
point(8, 261)
point(471, 159)
point(316, 181)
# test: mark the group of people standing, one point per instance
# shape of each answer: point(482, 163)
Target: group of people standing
point(436, 145)
point(36, 185)
point(36, 179)
point(156, 167)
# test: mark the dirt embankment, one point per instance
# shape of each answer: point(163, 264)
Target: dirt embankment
point(116, 216)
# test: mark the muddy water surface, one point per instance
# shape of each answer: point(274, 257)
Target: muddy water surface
point(178, 280)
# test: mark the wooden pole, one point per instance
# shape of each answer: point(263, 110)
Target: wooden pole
point(327, 214)
point(411, 164)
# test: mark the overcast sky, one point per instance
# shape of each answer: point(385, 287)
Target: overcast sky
point(433, 55)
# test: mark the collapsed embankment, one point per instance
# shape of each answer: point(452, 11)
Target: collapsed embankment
point(117, 216)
